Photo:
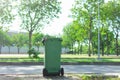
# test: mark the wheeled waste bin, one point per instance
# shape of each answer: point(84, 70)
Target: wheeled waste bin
point(52, 64)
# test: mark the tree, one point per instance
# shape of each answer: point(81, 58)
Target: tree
point(74, 33)
point(3, 39)
point(106, 38)
point(80, 35)
point(37, 39)
point(6, 15)
point(8, 42)
point(19, 40)
point(112, 11)
point(85, 12)
point(35, 13)
point(68, 36)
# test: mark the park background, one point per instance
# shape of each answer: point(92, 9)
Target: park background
point(76, 23)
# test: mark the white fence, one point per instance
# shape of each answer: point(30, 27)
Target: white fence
point(23, 50)
point(14, 50)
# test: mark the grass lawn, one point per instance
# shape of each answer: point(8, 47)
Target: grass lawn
point(86, 56)
point(64, 58)
point(96, 77)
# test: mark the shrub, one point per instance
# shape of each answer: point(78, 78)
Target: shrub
point(33, 53)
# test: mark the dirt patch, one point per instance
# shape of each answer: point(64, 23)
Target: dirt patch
point(66, 77)
point(37, 77)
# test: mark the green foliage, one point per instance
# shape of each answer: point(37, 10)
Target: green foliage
point(84, 28)
point(6, 15)
point(33, 53)
point(74, 33)
point(4, 38)
point(8, 41)
point(85, 14)
point(36, 13)
point(19, 40)
point(37, 39)
point(111, 9)
point(98, 77)
point(67, 35)
point(84, 77)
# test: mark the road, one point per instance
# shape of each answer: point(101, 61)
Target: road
point(37, 69)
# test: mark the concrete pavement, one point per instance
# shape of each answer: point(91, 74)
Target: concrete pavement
point(37, 69)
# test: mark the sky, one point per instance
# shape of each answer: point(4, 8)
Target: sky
point(56, 25)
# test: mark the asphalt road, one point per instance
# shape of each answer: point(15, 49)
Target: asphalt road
point(37, 69)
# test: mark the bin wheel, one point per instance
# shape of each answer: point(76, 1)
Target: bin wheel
point(44, 72)
point(62, 71)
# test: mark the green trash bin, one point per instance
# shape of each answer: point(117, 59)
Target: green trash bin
point(52, 64)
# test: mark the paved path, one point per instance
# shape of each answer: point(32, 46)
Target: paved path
point(36, 69)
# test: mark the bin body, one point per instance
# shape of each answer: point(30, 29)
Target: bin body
point(52, 55)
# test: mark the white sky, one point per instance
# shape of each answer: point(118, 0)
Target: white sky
point(56, 26)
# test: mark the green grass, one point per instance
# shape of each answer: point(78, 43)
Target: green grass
point(86, 56)
point(88, 60)
point(64, 58)
point(20, 60)
point(95, 76)
point(70, 60)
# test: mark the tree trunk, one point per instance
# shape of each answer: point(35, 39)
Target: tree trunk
point(78, 47)
point(102, 44)
point(30, 39)
point(93, 44)
point(108, 49)
point(18, 50)
point(0, 49)
point(38, 48)
point(9, 49)
point(90, 36)
point(117, 44)
point(81, 49)
point(75, 51)
point(102, 48)
point(93, 48)
point(72, 48)
point(89, 50)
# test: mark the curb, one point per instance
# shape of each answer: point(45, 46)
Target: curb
point(93, 63)
point(20, 63)
point(65, 63)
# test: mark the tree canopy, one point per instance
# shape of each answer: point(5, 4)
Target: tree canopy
point(36, 13)
point(84, 28)
point(6, 15)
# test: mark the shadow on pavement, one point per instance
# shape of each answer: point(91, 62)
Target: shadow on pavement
point(61, 78)
point(36, 77)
